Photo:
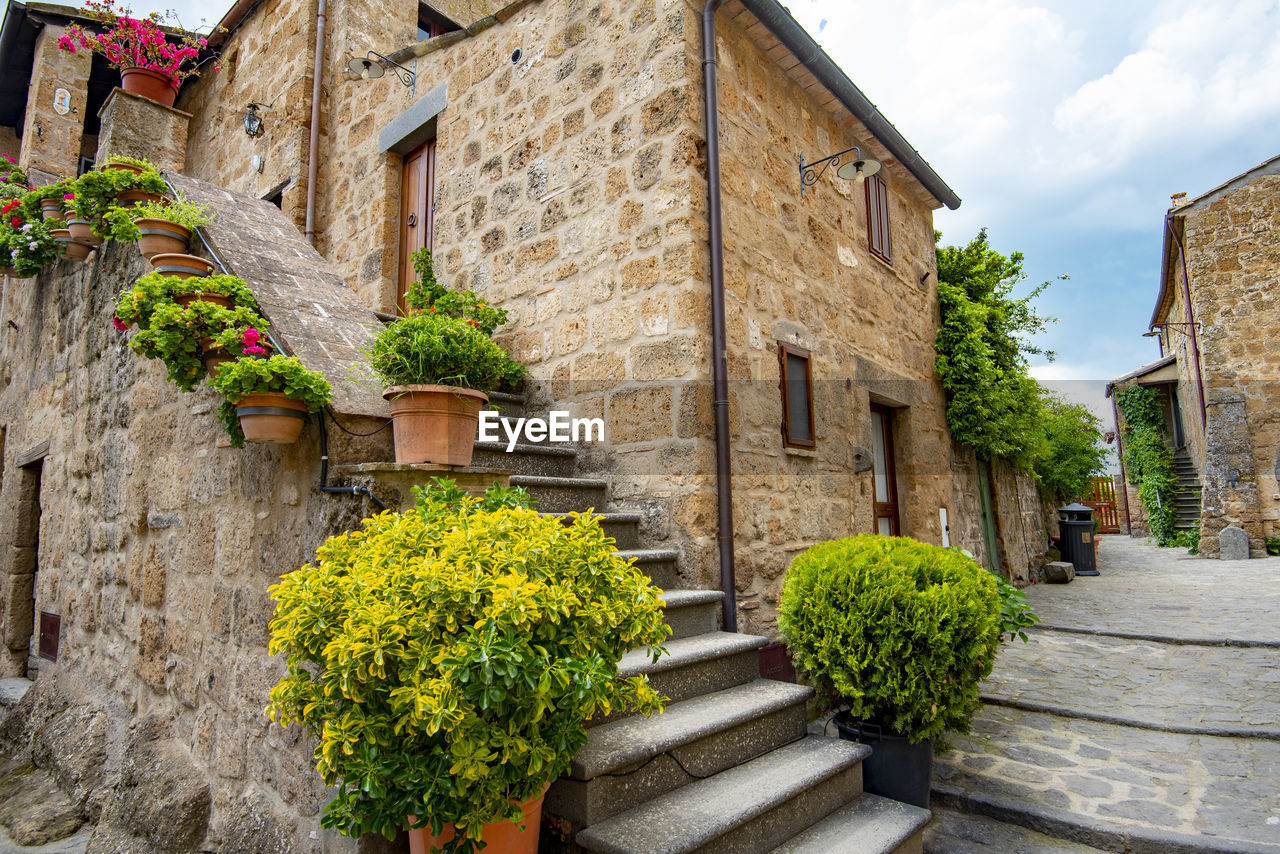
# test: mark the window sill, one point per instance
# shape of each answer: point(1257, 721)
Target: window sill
point(805, 453)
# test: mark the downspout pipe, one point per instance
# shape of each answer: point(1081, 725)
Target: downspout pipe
point(1191, 319)
point(324, 472)
point(313, 148)
point(719, 338)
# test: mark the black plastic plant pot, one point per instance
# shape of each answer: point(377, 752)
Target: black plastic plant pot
point(896, 768)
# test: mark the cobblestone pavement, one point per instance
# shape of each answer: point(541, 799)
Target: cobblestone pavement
point(1124, 744)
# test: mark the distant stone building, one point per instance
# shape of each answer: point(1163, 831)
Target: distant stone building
point(1215, 319)
point(554, 157)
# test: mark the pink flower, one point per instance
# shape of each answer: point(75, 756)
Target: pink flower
point(251, 337)
point(69, 197)
point(254, 350)
point(119, 324)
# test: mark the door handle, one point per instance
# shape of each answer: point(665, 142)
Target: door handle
point(413, 220)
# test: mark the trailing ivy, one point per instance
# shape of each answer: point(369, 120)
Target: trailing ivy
point(1148, 462)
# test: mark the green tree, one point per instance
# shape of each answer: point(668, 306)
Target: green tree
point(1073, 454)
point(993, 403)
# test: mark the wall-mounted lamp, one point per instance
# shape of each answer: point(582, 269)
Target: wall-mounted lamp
point(252, 121)
point(370, 68)
point(855, 170)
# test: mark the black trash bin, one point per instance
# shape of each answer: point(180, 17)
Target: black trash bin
point(1075, 524)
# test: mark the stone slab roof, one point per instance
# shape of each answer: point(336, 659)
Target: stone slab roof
point(313, 313)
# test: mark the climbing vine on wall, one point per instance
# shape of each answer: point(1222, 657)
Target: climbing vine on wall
point(1147, 460)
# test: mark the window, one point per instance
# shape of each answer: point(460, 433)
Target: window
point(797, 397)
point(878, 238)
point(431, 23)
point(884, 476)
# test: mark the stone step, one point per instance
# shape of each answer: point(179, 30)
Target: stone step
point(658, 564)
point(507, 403)
point(749, 809)
point(563, 494)
point(537, 460)
point(869, 825)
point(623, 528)
point(697, 665)
point(691, 612)
point(638, 758)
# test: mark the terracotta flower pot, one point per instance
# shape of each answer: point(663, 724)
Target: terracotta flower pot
point(82, 232)
point(185, 300)
point(51, 209)
point(128, 198)
point(269, 418)
point(500, 837)
point(434, 423)
point(213, 356)
point(154, 85)
point(63, 236)
point(124, 167)
point(182, 266)
point(161, 237)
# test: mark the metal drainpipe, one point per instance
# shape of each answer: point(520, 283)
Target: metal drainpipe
point(313, 149)
point(719, 346)
point(1191, 319)
point(1124, 477)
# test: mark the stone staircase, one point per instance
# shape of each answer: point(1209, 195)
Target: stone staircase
point(729, 767)
point(1188, 498)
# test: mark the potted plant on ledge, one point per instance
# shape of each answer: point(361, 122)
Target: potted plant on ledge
point(267, 400)
point(900, 631)
point(446, 659)
point(153, 60)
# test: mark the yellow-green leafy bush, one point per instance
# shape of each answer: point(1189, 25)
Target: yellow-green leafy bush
point(446, 659)
point(901, 630)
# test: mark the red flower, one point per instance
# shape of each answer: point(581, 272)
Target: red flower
point(119, 324)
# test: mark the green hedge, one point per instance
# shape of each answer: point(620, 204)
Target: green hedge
point(901, 630)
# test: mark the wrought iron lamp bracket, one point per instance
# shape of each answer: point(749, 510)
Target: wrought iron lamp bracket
point(404, 75)
point(810, 173)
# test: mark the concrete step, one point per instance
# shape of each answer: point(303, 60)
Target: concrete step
point(749, 809)
point(563, 494)
point(623, 528)
point(638, 758)
point(869, 825)
point(697, 665)
point(537, 460)
point(691, 612)
point(506, 403)
point(658, 564)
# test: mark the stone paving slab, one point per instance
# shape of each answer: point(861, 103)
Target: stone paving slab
point(955, 833)
point(1203, 689)
point(1101, 783)
point(1166, 593)
point(75, 844)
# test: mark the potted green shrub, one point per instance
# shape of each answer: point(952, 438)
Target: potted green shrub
point(160, 227)
point(437, 369)
point(135, 304)
point(267, 400)
point(901, 631)
point(446, 659)
point(181, 336)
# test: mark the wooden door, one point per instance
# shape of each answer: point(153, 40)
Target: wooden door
point(884, 475)
point(417, 204)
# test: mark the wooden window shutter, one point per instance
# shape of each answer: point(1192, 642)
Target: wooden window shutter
point(797, 397)
point(879, 239)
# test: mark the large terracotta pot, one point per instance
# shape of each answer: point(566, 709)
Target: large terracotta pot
point(155, 85)
point(434, 423)
point(185, 300)
point(269, 418)
point(500, 837)
point(161, 237)
point(129, 198)
point(51, 209)
point(182, 266)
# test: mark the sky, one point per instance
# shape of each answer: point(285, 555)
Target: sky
point(1064, 127)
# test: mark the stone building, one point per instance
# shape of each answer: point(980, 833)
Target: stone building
point(1219, 375)
point(554, 156)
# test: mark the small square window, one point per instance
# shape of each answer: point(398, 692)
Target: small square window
point(431, 23)
point(797, 397)
point(879, 239)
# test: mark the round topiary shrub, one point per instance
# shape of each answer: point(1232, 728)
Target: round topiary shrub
point(901, 630)
point(445, 659)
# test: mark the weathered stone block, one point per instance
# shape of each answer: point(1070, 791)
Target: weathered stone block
point(1233, 543)
point(139, 127)
point(1059, 572)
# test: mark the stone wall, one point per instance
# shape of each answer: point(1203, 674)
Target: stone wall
point(466, 12)
point(1233, 249)
point(156, 548)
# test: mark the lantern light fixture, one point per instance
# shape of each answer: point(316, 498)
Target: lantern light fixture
point(252, 121)
point(858, 169)
point(373, 65)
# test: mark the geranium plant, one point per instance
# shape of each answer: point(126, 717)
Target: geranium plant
point(173, 334)
point(136, 305)
point(445, 659)
point(13, 181)
point(427, 294)
point(279, 374)
point(28, 244)
point(129, 42)
point(186, 214)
